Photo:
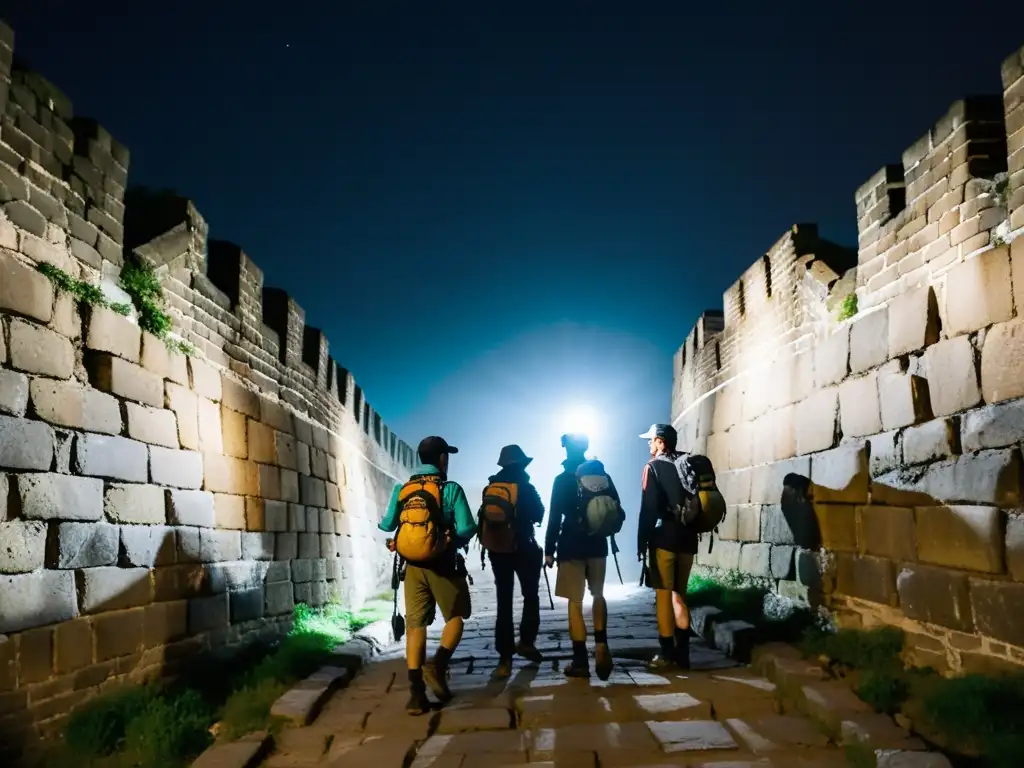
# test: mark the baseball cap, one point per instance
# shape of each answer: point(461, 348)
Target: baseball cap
point(665, 431)
point(434, 446)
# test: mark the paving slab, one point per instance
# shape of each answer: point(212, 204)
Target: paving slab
point(301, 704)
point(243, 753)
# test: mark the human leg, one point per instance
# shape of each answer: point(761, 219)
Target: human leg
point(452, 595)
point(419, 610)
point(529, 562)
point(596, 572)
point(503, 566)
point(661, 577)
point(570, 584)
point(681, 612)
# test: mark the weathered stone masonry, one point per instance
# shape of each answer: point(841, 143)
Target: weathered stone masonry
point(153, 505)
point(874, 464)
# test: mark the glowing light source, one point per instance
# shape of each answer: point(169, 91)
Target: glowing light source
point(580, 418)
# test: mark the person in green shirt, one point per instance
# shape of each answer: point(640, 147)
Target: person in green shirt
point(440, 583)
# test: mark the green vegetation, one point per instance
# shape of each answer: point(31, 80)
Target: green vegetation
point(167, 724)
point(142, 284)
point(84, 292)
point(847, 307)
point(973, 714)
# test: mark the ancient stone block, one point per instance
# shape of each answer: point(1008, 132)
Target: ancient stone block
point(130, 503)
point(127, 380)
point(147, 545)
point(309, 546)
point(287, 546)
point(233, 430)
point(280, 599)
point(25, 444)
point(326, 521)
point(887, 532)
point(978, 292)
point(860, 414)
point(186, 411)
point(69, 404)
point(82, 545)
point(319, 458)
point(1002, 361)
point(913, 321)
point(261, 442)
point(247, 605)
point(869, 578)
point(205, 380)
point(210, 436)
point(227, 577)
point(255, 515)
point(13, 392)
point(229, 511)
point(276, 415)
point(302, 459)
point(333, 497)
point(289, 485)
point(239, 398)
point(156, 426)
point(36, 599)
point(904, 400)
point(312, 491)
point(60, 497)
point(165, 623)
point(258, 546)
point(190, 508)
point(108, 331)
point(329, 546)
point(837, 525)
point(206, 614)
point(998, 607)
point(994, 426)
point(220, 546)
point(35, 656)
point(178, 582)
point(224, 474)
point(110, 589)
point(869, 341)
point(740, 443)
point(285, 452)
point(966, 537)
point(312, 520)
point(24, 291)
point(303, 593)
point(952, 380)
point(111, 457)
point(937, 439)
point(156, 357)
point(747, 521)
point(841, 475)
point(34, 349)
point(179, 469)
point(275, 515)
point(22, 545)
point(885, 452)
point(72, 645)
point(816, 421)
point(935, 595)
point(987, 477)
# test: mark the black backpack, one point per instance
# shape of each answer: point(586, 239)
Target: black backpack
point(703, 507)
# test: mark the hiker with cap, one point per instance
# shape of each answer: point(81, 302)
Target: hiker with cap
point(510, 510)
point(432, 521)
point(666, 545)
point(584, 511)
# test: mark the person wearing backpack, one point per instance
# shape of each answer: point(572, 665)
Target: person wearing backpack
point(511, 508)
point(432, 521)
point(585, 510)
point(679, 502)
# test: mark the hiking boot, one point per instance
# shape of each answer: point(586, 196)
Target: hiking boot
point(529, 651)
point(418, 703)
point(603, 663)
point(682, 657)
point(437, 679)
point(661, 664)
point(503, 670)
point(578, 669)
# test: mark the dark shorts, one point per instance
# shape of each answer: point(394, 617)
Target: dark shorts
point(668, 570)
point(427, 590)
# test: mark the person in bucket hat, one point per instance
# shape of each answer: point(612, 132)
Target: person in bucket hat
point(510, 510)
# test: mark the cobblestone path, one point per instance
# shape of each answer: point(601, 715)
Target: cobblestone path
point(719, 714)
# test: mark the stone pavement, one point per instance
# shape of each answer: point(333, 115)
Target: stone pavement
point(718, 714)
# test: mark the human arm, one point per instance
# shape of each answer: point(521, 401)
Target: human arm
point(462, 516)
point(390, 521)
point(530, 504)
point(554, 520)
point(650, 508)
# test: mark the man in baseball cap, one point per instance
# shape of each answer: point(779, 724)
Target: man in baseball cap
point(435, 572)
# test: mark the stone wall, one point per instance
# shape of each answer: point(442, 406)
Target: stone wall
point(873, 464)
point(154, 504)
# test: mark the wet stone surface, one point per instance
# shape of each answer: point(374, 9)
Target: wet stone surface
point(718, 714)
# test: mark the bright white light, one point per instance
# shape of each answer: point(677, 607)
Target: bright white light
point(580, 418)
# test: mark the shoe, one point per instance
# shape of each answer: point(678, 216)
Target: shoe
point(503, 670)
point(683, 651)
point(418, 703)
point(578, 669)
point(529, 651)
point(661, 664)
point(603, 662)
point(437, 679)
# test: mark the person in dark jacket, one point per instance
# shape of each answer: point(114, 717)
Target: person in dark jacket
point(582, 561)
point(669, 547)
point(524, 563)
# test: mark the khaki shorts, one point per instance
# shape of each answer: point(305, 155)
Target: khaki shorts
point(426, 590)
point(668, 570)
point(574, 575)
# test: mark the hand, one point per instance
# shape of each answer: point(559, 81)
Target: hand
point(549, 561)
point(391, 545)
point(640, 556)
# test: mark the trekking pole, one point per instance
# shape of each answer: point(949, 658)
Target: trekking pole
point(547, 584)
point(615, 557)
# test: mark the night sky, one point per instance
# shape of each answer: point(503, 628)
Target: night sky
point(494, 214)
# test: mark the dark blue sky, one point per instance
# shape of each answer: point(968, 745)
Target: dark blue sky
point(494, 212)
